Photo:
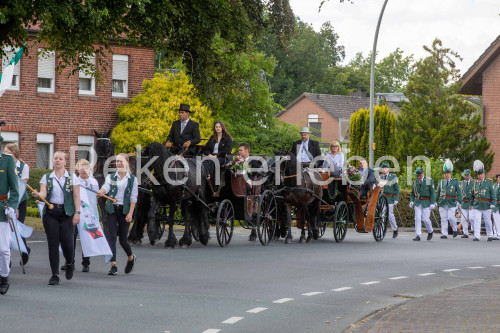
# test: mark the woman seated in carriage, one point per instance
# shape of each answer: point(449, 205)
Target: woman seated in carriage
point(217, 147)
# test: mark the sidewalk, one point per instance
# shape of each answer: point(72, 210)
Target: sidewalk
point(475, 308)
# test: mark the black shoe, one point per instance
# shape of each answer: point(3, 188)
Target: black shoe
point(444, 237)
point(54, 280)
point(476, 239)
point(26, 256)
point(85, 268)
point(113, 270)
point(4, 285)
point(394, 234)
point(490, 239)
point(465, 236)
point(455, 234)
point(69, 271)
point(63, 267)
point(429, 235)
point(253, 236)
point(417, 239)
point(130, 265)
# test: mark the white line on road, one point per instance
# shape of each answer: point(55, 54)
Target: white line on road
point(398, 278)
point(370, 282)
point(475, 267)
point(232, 320)
point(426, 274)
point(342, 289)
point(257, 310)
point(313, 293)
point(283, 300)
point(450, 270)
point(495, 265)
point(211, 330)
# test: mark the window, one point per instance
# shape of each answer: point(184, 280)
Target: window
point(9, 137)
point(46, 70)
point(86, 147)
point(9, 55)
point(44, 150)
point(314, 124)
point(120, 75)
point(86, 84)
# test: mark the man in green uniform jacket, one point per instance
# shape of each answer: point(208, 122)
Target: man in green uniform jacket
point(391, 192)
point(467, 188)
point(485, 200)
point(496, 210)
point(449, 199)
point(423, 198)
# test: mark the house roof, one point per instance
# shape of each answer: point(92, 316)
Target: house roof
point(338, 106)
point(473, 78)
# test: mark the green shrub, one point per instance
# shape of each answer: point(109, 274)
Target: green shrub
point(34, 181)
point(405, 216)
point(33, 211)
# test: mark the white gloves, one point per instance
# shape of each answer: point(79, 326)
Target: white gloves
point(432, 206)
point(411, 204)
point(10, 212)
point(492, 206)
point(458, 204)
point(395, 203)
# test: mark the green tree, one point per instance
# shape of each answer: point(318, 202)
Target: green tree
point(149, 116)
point(437, 122)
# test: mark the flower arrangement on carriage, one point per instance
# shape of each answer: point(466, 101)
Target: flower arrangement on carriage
point(237, 165)
point(353, 174)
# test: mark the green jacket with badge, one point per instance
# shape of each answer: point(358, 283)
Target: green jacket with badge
point(423, 194)
point(496, 189)
point(467, 189)
point(484, 194)
point(449, 193)
point(8, 182)
point(391, 190)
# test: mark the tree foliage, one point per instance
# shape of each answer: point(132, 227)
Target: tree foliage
point(437, 122)
point(149, 116)
point(384, 134)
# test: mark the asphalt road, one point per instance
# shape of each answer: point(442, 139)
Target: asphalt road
point(317, 287)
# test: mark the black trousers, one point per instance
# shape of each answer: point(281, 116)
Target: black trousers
point(118, 227)
point(59, 230)
point(23, 207)
point(85, 260)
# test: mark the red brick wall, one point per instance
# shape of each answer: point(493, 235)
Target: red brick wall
point(64, 112)
point(297, 115)
point(491, 101)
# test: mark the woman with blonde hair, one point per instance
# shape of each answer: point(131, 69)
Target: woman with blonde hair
point(334, 160)
point(123, 187)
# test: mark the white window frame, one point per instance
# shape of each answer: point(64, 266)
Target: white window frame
point(47, 138)
point(119, 73)
point(47, 73)
point(10, 53)
point(88, 141)
point(312, 118)
point(9, 137)
point(83, 75)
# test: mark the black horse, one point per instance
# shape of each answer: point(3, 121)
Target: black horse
point(189, 194)
point(305, 195)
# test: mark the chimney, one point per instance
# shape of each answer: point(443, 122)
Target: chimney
point(358, 93)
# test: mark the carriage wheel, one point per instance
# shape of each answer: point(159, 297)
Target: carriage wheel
point(325, 217)
point(267, 217)
point(225, 223)
point(381, 218)
point(340, 220)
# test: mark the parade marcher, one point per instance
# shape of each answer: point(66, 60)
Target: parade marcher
point(423, 199)
point(496, 210)
point(123, 187)
point(218, 146)
point(60, 188)
point(449, 200)
point(467, 189)
point(334, 160)
point(391, 192)
point(306, 149)
point(8, 183)
point(184, 133)
point(23, 172)
point(369, 181)
point(484, 202)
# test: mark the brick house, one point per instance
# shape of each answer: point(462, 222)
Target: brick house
point(46, 112)
point(328, 116)
point(483, 79)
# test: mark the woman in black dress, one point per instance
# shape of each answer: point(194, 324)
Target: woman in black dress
point(218, 146)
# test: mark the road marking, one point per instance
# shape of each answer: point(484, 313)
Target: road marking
point(313, 293)
point(232, 320)
point(426, 274)
point(475, 267)
point(495, 265)
point(450, 270)
point(256, 310)
point(342, 289)
point(370, 282)
point(283, 300)
point(37, 242)
point(398, 278)
point(211, 330)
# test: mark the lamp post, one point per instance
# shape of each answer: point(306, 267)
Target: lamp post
point(372, 88)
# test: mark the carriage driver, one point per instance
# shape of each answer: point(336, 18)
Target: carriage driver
point(184, 133)
point(306, 149)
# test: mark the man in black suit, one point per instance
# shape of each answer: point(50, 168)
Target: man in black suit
point(368, 176)
point(184, 133)
point(305, 149)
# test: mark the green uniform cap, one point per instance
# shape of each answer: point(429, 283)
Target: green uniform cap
point(466, 173)
point(419, 171)
point(384, 165)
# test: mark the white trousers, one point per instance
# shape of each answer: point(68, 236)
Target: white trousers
point(496, 229)
point(4, 249)
point(392, 218)
point(422, 214)
point(476, 215)
point(466, 215)
point(447, 215)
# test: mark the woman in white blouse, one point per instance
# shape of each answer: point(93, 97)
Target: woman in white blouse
point(123, 187)
point(334, 160)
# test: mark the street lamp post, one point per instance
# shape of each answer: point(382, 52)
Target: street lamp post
point(372, 88)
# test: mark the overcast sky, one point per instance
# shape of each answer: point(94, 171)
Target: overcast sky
point(465, 26)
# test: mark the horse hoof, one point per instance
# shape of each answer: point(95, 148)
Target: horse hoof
point(288, 241)
point(301, 241)
point(184, 246)
point(308, 240)
point(152, 242)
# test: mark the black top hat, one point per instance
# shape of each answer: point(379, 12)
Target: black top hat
point(185, 107)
